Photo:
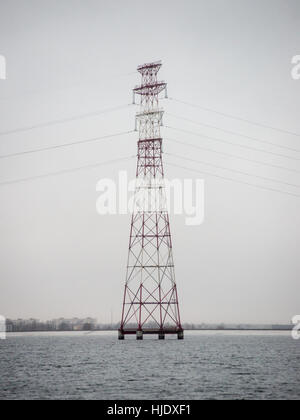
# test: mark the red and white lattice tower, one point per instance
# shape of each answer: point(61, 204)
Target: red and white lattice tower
point(150, 304)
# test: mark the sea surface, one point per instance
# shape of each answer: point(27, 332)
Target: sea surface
point(206, 365)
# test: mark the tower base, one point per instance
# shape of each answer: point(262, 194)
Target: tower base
point(160, 333)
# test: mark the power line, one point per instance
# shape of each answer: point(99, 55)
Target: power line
point(94, 139)
point(236, 118)
point(65, 171)
point(232, 179)
point(234, 170)
point(233, 132)
point(232, 156)
point(228, 142)
point(64, 120)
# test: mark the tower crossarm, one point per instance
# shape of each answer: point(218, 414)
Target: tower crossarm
point(150, 88)
point(150, 67)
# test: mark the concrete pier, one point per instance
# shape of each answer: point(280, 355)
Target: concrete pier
point(139, 335)
point(180, 335)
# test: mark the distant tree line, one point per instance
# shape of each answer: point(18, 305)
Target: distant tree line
point(90, 324)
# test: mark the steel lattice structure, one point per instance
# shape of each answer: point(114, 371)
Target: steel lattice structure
point(150, 304)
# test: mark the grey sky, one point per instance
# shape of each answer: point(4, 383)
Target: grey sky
point(58, 257)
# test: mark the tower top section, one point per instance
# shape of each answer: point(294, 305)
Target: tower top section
point(150, 86)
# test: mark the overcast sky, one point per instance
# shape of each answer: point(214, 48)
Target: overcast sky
point(58, 257)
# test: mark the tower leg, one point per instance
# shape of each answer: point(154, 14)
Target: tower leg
point(139, 335)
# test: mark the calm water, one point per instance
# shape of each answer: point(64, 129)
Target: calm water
point(206, 365)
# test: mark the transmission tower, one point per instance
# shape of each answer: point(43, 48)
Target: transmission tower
point(150, 304)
